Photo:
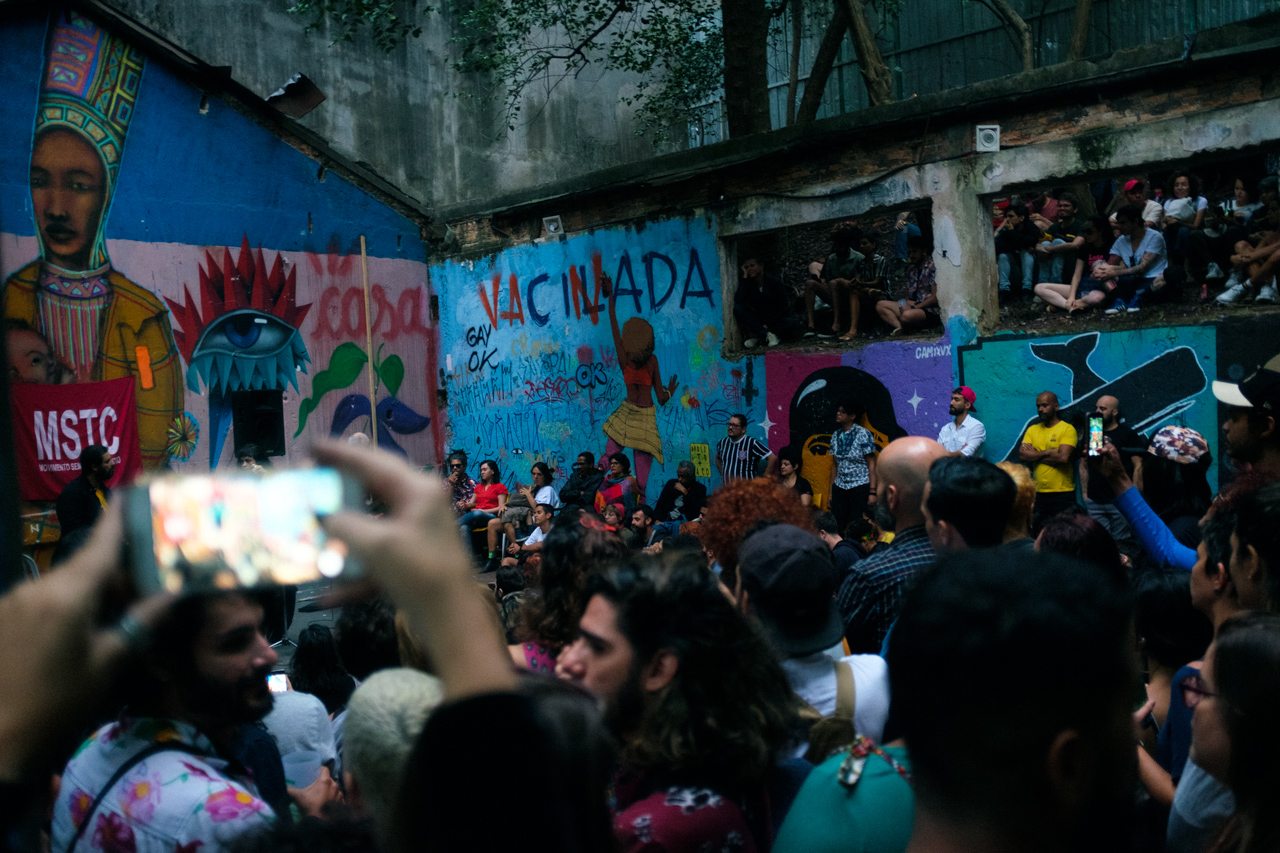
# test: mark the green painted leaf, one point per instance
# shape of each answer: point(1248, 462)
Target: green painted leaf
point(392, 372)
point(344, 367)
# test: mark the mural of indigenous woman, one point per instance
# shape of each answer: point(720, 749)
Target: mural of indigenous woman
point(98, 325)
point(634, 423)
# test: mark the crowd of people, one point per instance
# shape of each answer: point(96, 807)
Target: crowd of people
point(1144, 244)
point(921, 649)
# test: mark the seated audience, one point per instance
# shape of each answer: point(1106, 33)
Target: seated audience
point(966, 504)
point(681, 499)
point(1137, 261)
point(642, 526)
point(1135, 193)
point(1234, 735)
point(488, 499)
point(786, 581)
point(1184, 214)
point(697, 699)
point(1084, 291)
point(1057, 254)
point(1017, 757)
point(831, 279)
point(869, 598)
point(869, 284)
point(579, 491)
point(460, 486)
point(789, 462)
point(1016, 240)
point(920, 308)
point(760, 306)
point(520, 551)
point(519, 512)
point(619, 487)
point(1254, 254)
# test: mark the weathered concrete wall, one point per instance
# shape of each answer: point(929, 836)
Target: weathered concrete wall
point(398, 111)
point(245, 254)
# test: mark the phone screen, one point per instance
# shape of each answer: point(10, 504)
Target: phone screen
point(278, 682)
point(243, 530)
point(1095, 435)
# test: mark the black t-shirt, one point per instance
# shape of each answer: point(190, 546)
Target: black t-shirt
point(1128, 442)
point(846, 556)
point(802, 486)
point(1017, 238)
point(1066, 231)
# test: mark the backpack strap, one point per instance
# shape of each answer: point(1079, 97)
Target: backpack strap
point(846, 691)
point(140, 755)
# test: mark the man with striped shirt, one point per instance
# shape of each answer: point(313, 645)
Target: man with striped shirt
point(738, 455)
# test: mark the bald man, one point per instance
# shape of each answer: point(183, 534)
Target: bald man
point(1097, 492)
point(1047, 448)
point(870, 596)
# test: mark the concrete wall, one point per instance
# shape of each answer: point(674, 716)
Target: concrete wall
point(208, 207)
point(1075, 123)
point(398, 111)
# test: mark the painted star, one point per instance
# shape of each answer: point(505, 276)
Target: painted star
point(767, 425)
point(915, 401)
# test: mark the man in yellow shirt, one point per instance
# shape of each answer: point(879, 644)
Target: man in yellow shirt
point(1047, 448)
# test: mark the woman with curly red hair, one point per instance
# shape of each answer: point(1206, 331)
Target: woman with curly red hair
point(733, 511)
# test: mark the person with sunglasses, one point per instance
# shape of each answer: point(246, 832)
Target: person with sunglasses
point(462, 489)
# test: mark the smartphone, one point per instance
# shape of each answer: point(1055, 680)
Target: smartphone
point(239, 529)
point(278, 682)
point(1095, 435)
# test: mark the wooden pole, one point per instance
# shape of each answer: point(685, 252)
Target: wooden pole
point(368, 342)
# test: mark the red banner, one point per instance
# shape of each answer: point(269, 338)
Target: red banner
point(53, 423)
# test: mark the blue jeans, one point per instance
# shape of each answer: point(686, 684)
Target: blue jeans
point(1028, 263)
point(1051, 269)
point(474, 519)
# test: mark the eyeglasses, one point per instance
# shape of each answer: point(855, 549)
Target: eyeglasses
point(1193, 690)
point(457, 465)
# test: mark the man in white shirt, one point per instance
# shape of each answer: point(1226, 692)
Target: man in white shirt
point(787, 581)
point(965, 435)
point(1135, 192)
point(1137, 262)
point(542, 517)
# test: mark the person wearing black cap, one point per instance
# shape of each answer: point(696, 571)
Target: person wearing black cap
point(1251, 432)
point(787, 581)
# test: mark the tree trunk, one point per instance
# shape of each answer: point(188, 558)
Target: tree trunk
point(793, 77)
point(822, 65)
point(745, 24)
point(1019, 31)
point(875, 73)
point(1080, 30)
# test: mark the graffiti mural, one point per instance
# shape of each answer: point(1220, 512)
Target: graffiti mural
point(598, 342)
point(1160, 376)
point(154, 234)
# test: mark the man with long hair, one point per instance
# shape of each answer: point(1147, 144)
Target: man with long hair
point(696, 697)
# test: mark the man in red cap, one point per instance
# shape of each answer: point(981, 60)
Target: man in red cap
point(1135, 192)
point(965, 435)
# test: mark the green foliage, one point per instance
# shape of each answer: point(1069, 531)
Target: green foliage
point(675, 47)
point(389, 23)
point(391, 372)
point(344, 367)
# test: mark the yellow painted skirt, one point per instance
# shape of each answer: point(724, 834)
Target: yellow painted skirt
point(636, 428)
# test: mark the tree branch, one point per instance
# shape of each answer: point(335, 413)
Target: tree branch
point(870, 61)
point(822, 65)
point(793, 76)
point(1018, 30)
point(1080, 29)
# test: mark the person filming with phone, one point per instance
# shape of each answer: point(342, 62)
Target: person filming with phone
point(1098, 496)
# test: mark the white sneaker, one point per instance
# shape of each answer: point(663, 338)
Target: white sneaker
point(750, 343)
point(771, 339)
point(1231, 294)
point(1267, 293)
point(1215, 271)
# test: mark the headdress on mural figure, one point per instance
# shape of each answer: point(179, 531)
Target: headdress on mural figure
point(90, 89)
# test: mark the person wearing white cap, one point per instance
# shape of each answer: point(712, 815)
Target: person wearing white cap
point(1251, 432)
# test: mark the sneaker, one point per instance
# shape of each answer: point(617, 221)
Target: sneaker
point(1267, 293)
point(1133, 307)
point(1117, 307)
point(810, 333)
point(1232, 293)
point(750, 343)
point(1215, 271)
point(771, 339)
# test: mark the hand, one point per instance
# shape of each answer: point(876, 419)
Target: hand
point(513, 549)
point(671, 389)
point(1112, 468)
point(1140, 716)
point(1042, 249)
point(58, 663)
point(682, 488)
point(312, 799)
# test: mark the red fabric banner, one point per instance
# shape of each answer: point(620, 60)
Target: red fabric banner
point(53, 423)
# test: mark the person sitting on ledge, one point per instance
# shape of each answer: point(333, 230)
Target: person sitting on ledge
point(920, 308)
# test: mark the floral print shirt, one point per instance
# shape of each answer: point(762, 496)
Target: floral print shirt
point(682, 820)
point(170, 802)
point(920, 282)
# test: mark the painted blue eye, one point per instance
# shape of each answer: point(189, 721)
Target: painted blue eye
point(243, 330)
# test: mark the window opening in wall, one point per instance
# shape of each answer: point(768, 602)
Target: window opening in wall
point(833, 284)
point(1164, 243)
